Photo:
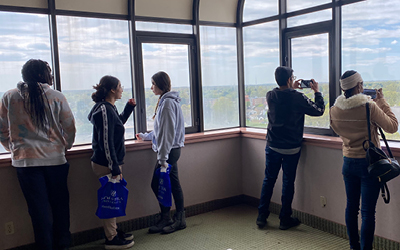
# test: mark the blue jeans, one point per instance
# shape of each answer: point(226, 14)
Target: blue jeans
point(46, 194)
point(273, 163)
point(360, 184)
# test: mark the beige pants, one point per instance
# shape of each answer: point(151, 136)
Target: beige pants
point(110, 225)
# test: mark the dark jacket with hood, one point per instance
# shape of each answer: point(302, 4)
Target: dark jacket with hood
point(108, 140)
point(286, 110)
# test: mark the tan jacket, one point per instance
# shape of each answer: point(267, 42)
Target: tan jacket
point(349, 121)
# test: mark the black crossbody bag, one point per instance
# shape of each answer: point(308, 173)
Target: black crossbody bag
point(380, 165)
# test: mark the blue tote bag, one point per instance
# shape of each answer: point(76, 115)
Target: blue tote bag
point(112, 197)
point(164, 186)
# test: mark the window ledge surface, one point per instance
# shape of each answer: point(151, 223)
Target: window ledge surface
point(134, 145)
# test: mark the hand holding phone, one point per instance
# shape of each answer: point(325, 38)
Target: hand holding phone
point(305, 84)
point(370, 92)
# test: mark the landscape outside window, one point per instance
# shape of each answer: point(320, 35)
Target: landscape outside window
point(261, 57)
point(174, 60)
point(219, 77)
point(22, 37)
point(89, 49)
point(310, 60)
point(371, 46)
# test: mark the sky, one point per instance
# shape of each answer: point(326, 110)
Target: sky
point(90, 48)
point(370, 44)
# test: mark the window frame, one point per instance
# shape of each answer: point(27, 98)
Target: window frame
point(309, 30)
point(166, 38)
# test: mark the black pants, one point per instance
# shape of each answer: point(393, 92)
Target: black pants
point(176, 189)
point(46, 194)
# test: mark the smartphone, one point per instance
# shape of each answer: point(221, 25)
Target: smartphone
point(305, 83)
point(370, 92)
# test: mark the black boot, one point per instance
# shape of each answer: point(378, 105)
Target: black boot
point(179, 223)
point(164, 221)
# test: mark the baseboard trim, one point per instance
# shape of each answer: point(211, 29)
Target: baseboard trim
point(145, 222)
point(331, 227)
point(95, 234)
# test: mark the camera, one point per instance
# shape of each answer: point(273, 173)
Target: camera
point(370, 92)
point(305, 83)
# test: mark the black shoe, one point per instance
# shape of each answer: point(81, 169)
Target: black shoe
point(117, 243)
point(124, 236)
point(163, 222)
point(261, 220)
point(179, 223)
point(288, 223)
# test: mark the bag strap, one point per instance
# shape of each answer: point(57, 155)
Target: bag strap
point(386, 198)
point(368, 121)
point(380, 131)
point(386, 143)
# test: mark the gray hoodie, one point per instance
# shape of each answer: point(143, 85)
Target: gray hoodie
point(169, 127)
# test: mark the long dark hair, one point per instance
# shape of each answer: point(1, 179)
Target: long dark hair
point(348, 93)
point(163, 82)
point(106, 84)
point(37, 106)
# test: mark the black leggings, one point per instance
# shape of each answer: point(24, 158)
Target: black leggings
point(176, 189)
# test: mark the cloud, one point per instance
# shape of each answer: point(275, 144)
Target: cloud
point(372, 36)
point(375, 12)
point(387, 60)
point(366, 50)
point(257, 9)
point(394, 42)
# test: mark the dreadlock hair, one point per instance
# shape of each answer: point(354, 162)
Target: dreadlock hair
point(106, 84)
point(163, 82)
point(34, 72)
point(348, 93)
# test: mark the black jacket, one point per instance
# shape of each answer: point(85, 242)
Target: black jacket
point(108, 142)
point(286, 110)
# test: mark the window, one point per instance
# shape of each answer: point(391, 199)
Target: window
point(315, 17)
point(293, 5)
point(89, 49)
point(219, 77)
point(164, 27)
point(22, 37)
point(257, 9)
point(174, 60)
point(261, 58)
point(310, 60)
point(371, 46)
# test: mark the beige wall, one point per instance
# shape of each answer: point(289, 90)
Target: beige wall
point(207, 173)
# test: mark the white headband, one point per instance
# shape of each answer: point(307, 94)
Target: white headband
point(351, 81)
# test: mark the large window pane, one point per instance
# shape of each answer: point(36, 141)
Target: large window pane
point(219, 77)
point(319, 16)
point(371, 46)
point(261, 58)
point(293, 5)
point(257, 9)
point(22, 37)
point(89, 49)
point(174, 60)
point(310, 60)
point(164, 27)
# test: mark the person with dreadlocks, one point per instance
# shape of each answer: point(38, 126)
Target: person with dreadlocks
point(168, 138)
point(37, 127)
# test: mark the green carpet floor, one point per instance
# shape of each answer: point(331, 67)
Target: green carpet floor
point(233, 228)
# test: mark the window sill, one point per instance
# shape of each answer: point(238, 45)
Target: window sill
point(134, 145)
